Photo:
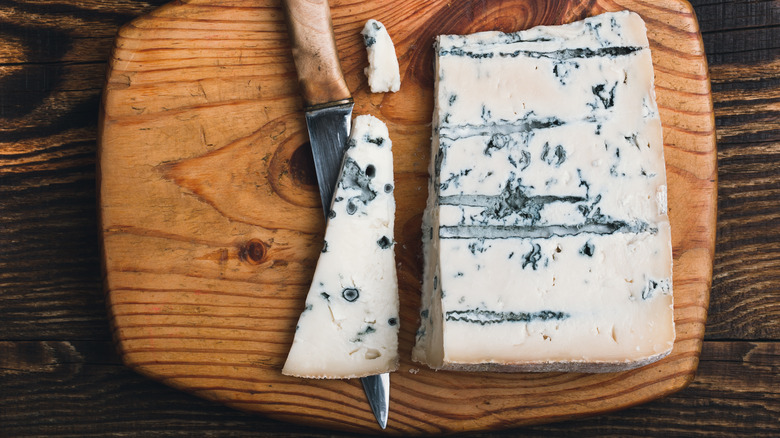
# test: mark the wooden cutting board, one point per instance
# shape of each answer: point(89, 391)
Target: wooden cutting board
point(211, 221)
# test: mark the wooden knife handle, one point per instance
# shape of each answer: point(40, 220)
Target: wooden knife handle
point(314, 52)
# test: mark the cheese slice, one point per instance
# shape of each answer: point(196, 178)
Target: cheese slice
point(382, 71)
point(349, 325)
point(546, 238)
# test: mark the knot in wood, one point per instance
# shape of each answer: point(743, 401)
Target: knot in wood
point(253, 251)
point(302, 166)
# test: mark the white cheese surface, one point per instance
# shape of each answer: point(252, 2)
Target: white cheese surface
point(382, 71)
point(349, 326)
point(546, 238)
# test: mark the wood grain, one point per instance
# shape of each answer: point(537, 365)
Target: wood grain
point(81, 388)
point(210, 224)
point(746, 276)
point(50, 283)
point(52, 70)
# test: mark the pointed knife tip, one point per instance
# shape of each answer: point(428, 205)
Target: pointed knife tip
point(381, 414)
point(381, 418)
point(377, 389)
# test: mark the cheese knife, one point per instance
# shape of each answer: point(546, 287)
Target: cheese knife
point(328, 111)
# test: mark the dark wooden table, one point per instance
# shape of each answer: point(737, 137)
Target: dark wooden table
point(59, 374)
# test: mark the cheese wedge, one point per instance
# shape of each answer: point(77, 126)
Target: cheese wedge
point(546, 238)
point(349, 325)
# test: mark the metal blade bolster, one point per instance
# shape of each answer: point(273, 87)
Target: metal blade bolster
point(328, 132)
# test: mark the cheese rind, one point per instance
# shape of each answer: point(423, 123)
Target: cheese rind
point(546, 238)
point(382, 71)
point(349, 325)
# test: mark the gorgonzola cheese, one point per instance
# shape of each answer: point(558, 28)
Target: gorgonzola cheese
point(546, 237)
point(349, 325)
point(382, 71)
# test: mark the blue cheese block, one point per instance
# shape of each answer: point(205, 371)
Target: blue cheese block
point(349, 325)
point(547, 244)
point(382, 72)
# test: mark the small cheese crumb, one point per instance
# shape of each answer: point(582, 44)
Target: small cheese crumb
point(382, 71)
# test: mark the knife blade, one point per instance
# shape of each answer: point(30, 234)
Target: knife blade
point(328, 132)
point(328, 110)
